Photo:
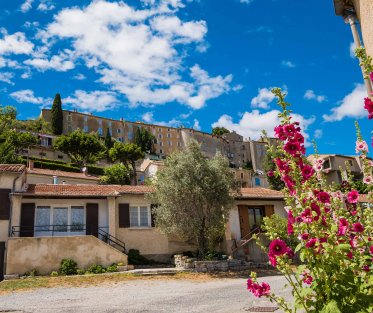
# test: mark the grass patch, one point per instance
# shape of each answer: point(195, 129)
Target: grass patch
point(32, 283)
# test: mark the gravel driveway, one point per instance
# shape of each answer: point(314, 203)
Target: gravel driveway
point(145, 296)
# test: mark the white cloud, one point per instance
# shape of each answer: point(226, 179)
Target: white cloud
point(246, 1)
point(26, 6)
point(6, 77)
point(352, 50)
point(263, 99)
point(61, 62)
point(318, 133)
point(45, 6)
point(27, 96)
point(310, 95)
point(137, 52)
point(253, 123)
point(79, 76)
point(196, 125)
point(15, 44)
point(148, 117)
point(351, 105)
point(287, 63)
point(94, 101)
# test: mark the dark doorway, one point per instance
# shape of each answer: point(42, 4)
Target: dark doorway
point(27, 220)
point(92, 219)
point(2, 256)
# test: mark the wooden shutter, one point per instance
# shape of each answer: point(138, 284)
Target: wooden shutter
point(269, 210)
point(124, 215)
point(243, 213)
point(92, 219)
point(152, 215)
point(4, 204)
point(2, 256)
point(27, 220)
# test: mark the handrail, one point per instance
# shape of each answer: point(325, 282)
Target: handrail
point(247, 238)
point(106, 237)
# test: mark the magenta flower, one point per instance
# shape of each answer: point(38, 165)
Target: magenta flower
point(279, 132)
point(358, 227)
point(307, 172)
point(350, 255)
point(305, 236)
point(371, 76)
point(277, 247)
point(343, 226)
point(307, 216)
point(353, 196)
point(270, 173)
point(293, 148)
point(282, 165)
point(258, 290)
point(311, 243)
point(368, 105)
point(291, 221)
point(323, 197)
point(371, 250)
point(307, 279)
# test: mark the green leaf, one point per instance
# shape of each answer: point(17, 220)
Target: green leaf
point(331, 307)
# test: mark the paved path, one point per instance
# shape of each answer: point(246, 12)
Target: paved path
point(145, 296)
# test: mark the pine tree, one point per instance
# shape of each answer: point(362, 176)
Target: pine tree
point(57, 115)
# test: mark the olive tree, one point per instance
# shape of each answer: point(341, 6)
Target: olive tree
point(194, 196)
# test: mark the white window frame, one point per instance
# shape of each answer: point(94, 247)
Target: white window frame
point(138, 207)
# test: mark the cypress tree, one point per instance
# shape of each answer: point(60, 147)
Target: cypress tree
point(57, 115)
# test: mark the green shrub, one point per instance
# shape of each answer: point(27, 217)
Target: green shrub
point(80, 271)
point(112, 268)
point(54, 274)
point(94, 170)
point(68, 267)
point(135, 258)
point(96, 269)
point(32, 273)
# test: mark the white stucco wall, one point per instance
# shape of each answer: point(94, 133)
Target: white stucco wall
point(4, 230)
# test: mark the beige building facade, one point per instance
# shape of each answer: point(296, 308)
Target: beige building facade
point(364, 10)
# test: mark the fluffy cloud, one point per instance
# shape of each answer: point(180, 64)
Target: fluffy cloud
point(246, 1)
point(253, 123)
point(61, 62)
point(79, 76)
point(94, 101)
point(352, 50)
point(15, 44)
point(310, 95)
point(27, 96)
point(45, 6)
point(196, 125)
point(318, 133)
point(26, 6)
point(137, 52)
point(287, 63)
point(351, 105)
point(6, 77)
point(263, 99)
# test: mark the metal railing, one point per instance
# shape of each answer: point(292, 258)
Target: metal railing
point(246, 239)
point(58, 230)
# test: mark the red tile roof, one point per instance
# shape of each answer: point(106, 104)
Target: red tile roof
point(15, 168)
point(84, 190)
point(46, 172)
point(260, 193)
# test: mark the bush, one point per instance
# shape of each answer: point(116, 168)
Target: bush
point(32, 273)
point(112, 268)
point(54, 274)
point(135, 258)
point(80, 271)
point(96, 269)
point(68, 267)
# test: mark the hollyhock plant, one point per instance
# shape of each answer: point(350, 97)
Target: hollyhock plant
point(334, 227)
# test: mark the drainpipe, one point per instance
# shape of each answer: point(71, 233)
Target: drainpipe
point(11, 204)
point(352, 20)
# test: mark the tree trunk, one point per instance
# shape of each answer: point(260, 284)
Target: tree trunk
point(134, 175)
point(201, 241)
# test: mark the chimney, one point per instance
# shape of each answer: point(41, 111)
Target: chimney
point(30, 164)
point(64, 182)
point(55, 180)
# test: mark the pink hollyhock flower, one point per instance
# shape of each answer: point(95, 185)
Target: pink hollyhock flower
point(353, 242)
point(350, 255)
point(311, 243)
point(358, 227)
point(293, 148)
point(353, 196)
point(315, 208)
point(305, 236)
point(343, 226)
point(299, 219)
point(353, 213)
point(361, 146)
point(307, 279)
point(371, 76)
point(279, 132)
point(270, 173)
point(288, 181)
point(368, 180)
point(298, 137)
point(277, 247)
point(272, 260)
point(289, 130)
point(307, 172)
point(368, 105)
point(371, 250)
point(366, 268)
point(291, 221)
point(307, 216)
point(282, 165)
point(323, 197)
point(258, 290)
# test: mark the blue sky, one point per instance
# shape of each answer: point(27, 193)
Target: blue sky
point(186, 62)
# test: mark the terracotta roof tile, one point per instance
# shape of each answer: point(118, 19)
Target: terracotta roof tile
point(258, 193)
point(84, 190)
point(42, 171)
point(15, 168)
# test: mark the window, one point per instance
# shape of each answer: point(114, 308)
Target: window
point(350, 162)
point(326, 164)
point(160, 143)
point(100, 123)
point(86, 129)
point(118, 130)
point(120, 139)
point(100, 131)
point(139, 217)
point(77, 219)
point(160, 136)
point(60, 156)
point(130, 135)
point(60, 219)
point(168, 135)
point(42, 154)
point(42, 218)
point(255, 217)
point(169, 143)
point(160, 151)
point(257, 181)
point(85, 118)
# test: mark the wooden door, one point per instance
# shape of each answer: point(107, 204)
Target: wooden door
point(269, 210)
point(2, 255)
point(243, 213)
point(27, 220)
point(92, 219)
point(4, 204)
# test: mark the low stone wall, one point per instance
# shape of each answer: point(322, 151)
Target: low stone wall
point(45, 253)
point(216, 266)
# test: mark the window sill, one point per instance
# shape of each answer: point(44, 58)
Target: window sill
point(140, 228)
